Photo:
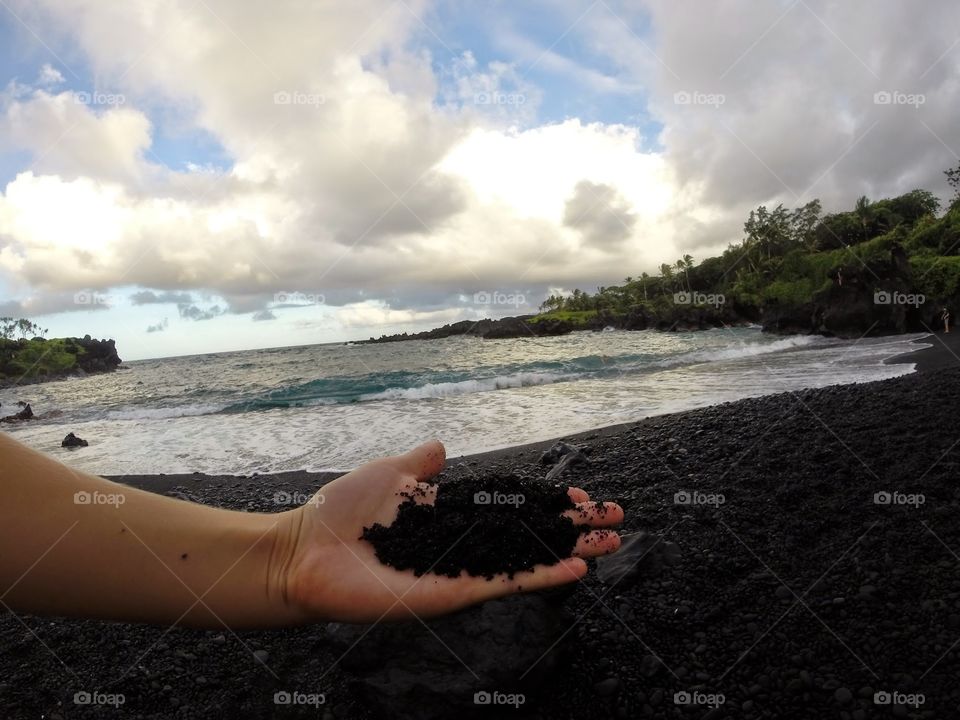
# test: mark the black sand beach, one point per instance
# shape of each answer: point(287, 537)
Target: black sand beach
point(828, 576)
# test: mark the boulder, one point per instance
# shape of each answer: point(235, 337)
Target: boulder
point(72, 441)
point(25, 414)
point(561, 456)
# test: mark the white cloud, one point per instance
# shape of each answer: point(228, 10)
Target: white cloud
point(355, 179)
point(798, 118)
point(68, 137)
point(49, 76)
point(356, 183)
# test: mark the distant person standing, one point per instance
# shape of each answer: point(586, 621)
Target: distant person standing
point(945, 317)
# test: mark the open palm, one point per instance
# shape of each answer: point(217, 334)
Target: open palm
point(332, 573)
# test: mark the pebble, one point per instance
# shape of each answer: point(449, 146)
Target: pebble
point(650, 665)
point(843, 695)
point(607, 687)
point(261, 656)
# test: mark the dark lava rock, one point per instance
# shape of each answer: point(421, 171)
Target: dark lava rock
point(98, 355)
point(607, 687)
point(436, 670)
point(640, 554)
point(72, 441)
point(561, 456)
point(850, 309)
point(25, 414)
point(559, 449)
point(502, 328)
point(843, 695)
point(481, 525)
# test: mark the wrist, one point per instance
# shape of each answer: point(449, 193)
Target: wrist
point(286, 537)
point(254, 552)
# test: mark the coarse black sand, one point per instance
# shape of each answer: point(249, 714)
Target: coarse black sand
point(820, 585)
point(483, 525)
point(943, 352)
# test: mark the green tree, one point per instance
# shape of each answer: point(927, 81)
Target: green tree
point(666, 273)
point(21, 328)
point(953, 180)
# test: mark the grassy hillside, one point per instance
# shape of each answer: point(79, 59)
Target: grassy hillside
point(29, 360)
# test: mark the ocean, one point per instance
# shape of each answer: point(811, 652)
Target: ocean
point(333, 406)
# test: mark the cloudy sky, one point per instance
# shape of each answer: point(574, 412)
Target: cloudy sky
point(200, 175)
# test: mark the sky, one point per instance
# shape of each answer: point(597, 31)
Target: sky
point(192, 176)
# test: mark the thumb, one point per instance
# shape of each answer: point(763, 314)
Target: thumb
point(424, 461)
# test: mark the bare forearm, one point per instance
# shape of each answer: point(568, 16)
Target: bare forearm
point(76, 544)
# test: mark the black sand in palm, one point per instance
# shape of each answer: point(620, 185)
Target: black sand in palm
point(481, 525)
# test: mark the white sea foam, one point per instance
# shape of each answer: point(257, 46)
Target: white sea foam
point(161, 413)
point(466, 387)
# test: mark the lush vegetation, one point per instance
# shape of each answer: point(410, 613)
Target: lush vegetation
point(787, 256)
point(27, 355)
point(29, 359)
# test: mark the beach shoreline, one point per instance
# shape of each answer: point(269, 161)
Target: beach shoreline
point(804, 584)
point(943, 352)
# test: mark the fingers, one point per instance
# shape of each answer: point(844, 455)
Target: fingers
point(424, 461)
point(596, 514)
point(540, 578)
point(577, 495)
point(597, 542)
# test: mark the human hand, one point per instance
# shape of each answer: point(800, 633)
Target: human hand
point(325, 570)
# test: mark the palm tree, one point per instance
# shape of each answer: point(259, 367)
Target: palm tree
point(681, 271)
point(666, 272)
point(687, 267)
point(643, 281)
